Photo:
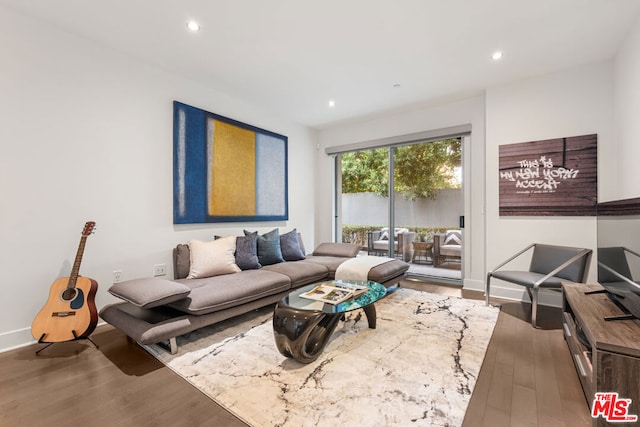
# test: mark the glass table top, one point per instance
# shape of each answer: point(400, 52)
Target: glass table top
point(375, 292)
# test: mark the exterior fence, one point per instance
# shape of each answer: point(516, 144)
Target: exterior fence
point(364, 212)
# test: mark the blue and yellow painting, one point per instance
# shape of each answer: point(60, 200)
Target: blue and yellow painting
point(226, 171)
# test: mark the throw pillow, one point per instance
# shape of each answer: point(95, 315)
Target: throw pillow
point(290, 246)
point(212, 258)
point(453, 237)
point(182, 260)
point(247, 252)
point(301, 243)
point(269, 251)
point(150, 292)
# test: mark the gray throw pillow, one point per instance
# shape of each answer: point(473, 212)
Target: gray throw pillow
point(182, 261)
point(269, 251)
point(290, 246)
point(247, 252)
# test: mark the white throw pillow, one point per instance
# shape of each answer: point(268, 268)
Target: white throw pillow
point(212, 258)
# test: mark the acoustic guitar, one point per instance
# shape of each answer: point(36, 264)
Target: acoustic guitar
point(70, 312)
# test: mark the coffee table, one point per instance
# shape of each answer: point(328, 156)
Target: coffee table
point(302, 327)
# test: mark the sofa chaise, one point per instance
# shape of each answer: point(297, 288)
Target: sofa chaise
point(157, 310)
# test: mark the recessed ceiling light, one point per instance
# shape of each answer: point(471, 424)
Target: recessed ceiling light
point(496, 55)
point(193, 26)
point(332, 103)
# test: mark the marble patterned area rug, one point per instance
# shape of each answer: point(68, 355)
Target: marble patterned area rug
point(417, 368)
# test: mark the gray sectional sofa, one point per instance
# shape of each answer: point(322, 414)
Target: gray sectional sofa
point(156, 310)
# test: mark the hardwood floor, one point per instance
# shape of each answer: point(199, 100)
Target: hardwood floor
point(527, 379)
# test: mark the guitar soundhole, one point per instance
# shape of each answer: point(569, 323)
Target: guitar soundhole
point(69, 294)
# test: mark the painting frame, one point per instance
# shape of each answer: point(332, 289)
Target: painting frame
point(225, 170)
point(551, 177)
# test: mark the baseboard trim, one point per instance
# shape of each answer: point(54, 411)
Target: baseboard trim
point(19, 338)
point(473, 285)
point(545, 297)
point(16, 339)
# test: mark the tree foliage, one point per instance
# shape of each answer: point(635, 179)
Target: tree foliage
point(420, 170)
point(366, 171)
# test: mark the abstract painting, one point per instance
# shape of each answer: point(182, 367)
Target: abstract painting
point(225, 170)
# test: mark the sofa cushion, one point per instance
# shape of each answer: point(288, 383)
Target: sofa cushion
point(269, 251)
point(149, 292)
point(218, 293)
point(290, 246)
point(247, 252)
point(451, 250)
point(212, 258)
point(330, 262)
point(345, 250)
point(300, 272)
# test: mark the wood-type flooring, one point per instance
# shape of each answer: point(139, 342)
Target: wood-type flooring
point(527, 379)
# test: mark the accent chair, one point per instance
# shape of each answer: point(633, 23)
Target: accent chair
point(550, 265)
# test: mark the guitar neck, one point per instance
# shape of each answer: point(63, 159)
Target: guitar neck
point(86, 231)
point(76, 264)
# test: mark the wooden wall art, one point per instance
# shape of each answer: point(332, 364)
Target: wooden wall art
point(554, 177)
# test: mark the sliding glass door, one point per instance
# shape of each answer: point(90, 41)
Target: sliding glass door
point(405, 201)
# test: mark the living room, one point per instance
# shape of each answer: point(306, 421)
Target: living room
point(88, 136)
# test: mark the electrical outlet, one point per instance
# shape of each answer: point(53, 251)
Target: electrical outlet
point(117, 276)
point(159, 269)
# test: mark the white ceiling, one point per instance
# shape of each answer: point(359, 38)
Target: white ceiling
point(293, 56)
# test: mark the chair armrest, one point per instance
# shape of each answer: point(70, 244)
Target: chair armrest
point(503, 263)
point(372, 236)
point(436, 243)
point(631, 252)
point(618, 275)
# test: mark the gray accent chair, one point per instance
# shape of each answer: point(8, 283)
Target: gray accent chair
point(550, 265)
point(616, 276)
point(613, 266)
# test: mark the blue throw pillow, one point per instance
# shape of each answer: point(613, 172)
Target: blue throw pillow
point(269, 251)
point(290, 246)
point(247, 252)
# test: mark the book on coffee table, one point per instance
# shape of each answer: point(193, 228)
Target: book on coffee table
point(335, 292)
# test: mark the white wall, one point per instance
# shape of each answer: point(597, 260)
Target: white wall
point(87, 135)
point(571, 102)
point(469, 111)
point(627, 122)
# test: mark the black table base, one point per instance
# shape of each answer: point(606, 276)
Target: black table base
point(303, 334)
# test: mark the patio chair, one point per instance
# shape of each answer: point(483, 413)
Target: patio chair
point(447, 247)
point(378, 242)
point(550, 265)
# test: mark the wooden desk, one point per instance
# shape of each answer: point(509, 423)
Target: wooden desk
point(606, 353)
